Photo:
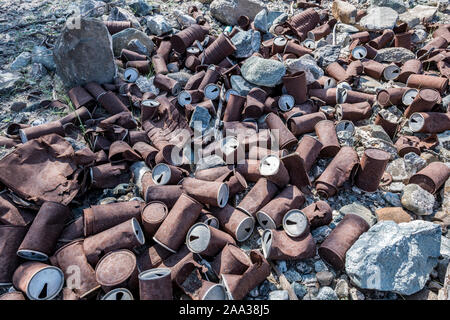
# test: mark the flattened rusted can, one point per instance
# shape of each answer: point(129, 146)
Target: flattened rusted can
point(231, 260)
point(278, 245)
point(207, 192)
point(326, 132)
point(319, 214)
point(305, 123)
point(424, 101)
point(423, 81)
point(382, 40)
point(299, 175)
point(309, 149)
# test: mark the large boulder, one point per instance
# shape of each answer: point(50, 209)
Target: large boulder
point(394, 257)
point(263, 72)
point(85, 54)
point(246, 43)
point(228, 12)
point(379, 19)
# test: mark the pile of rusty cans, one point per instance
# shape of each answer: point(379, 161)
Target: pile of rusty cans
point(207, 187)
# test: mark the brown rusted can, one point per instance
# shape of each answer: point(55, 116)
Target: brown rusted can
point(10, 239)
point(319, 214)
point(429, 122)
point(373, 164)
point(234, 222)
point(432, 177)
point(155, 284)
point(207, 241)
point(326, 133)
point(278, 245)
point(262, 192)
point(336, 245)
point(423, 81)
point(309, 149)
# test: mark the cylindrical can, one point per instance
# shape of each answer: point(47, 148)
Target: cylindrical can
point(432, 177)
point(326, 132)
point(235, 222)
point(309, 149)
point(319, 214)
point(207, 241)
point(262, 192)
point(155, 284)
point(429, 122)
point(278, 245)
point(373, 164)
point(10, 239)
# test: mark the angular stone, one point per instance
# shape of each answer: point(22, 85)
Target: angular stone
point(121, 39)
point(326, 293)
point(241, 85)
point(445, 247)
point(8, 80)
point(18, 106)
point(327, 54)
point(325, 278)
point(397, 169)
point(341, 289)
point(85, 54)
point(299, 289)
point(379, 19)
point(355, 294)
point(292, 275)
point(21, 61)
point(141, 8)
point(344, 11)
point(396, 214)
point(414, 163)
point(394, 257)
point(394, 54)
point(418, 14)
point(121, 14)
point(183, 19)
point(279, 295)
point(263, 72)
point(92, 8)
point(264, 19)
point(392, 198)
point(397, 5)
point(228, 12)
point(38, 71)
point(417, 200)
point(43, 56)
point(158, 25)
point(305, 63)
point(247, 43)
point(181, 77)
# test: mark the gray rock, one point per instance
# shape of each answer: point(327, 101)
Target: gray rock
point(445, 247)
point(210, 162)
point(305, 63)
point(121, 39)
point(325, 278)
point(379, 18)
point(200, 119)
point(247, 43)
point(183, 19)
point(92, 8)
point(414, 163)
point(264, 19)
point(326, 55)
point(38, 71)
point(43, 56)
point(360, 210)
point(146, 85)
point(397, 5)
point(417, 14)
point(121, 14)
point(292, 275)
point(228, 11)
point(374, 136)
point(266, 287)
point(419, 36)
point(263, 72)
point(319, 266)
point(392, 198)
point(241, 85)
point(417, 200)
point(394, 54)
point(282, 266)
point(341, 289)
point(394, 257)
point(254, 292)
point(8, 80)
point(158, 25)
point(85, 54)
point(397, 169)
point(326, 293)
point(304, 267)
point(137, 46)
point(141, 8)
point(299, 289)
point(279, 295)
point(319, 234)
point(21, 61)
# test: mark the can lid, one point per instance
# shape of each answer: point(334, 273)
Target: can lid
point(198, 237)
point(45, 284)
point(269, 165)
point(115, 267)
point(295, 223)
point(154, 212)
point(118, 294)
point(184, 98)
point(286, 102)
point(131, 74)
point(212, 91)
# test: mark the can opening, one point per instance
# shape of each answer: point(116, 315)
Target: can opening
point(212, 91)
point(45, 284)
point(286, 102)
point(32, 255)
point(153, 274)
point(295, 223)
point(222, 196)
point(359, 52)
point(391, 72)
point(161, 174)
point(329, 83)
point(409, 96)
point(176, 89)
point(198, 238)
point(118, 294)
point(416, 122)
point(138, 231)
point(265, 221)
point(245, 229)
point(216, 292)
point(184, 98)
point(269, 165)
point(131, 74)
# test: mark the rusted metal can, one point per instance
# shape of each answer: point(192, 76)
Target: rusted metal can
point(373, 164)
point(294, 163)
point(285, 137)
point(39, 281)
point(10, 240)
point(326, 132)
point(155, 284)
point(309, 149)
point(319, 214)
point(262, 192)
point(424, 101)
point(278, 245)
point(235, 222)
point(231, 260)
point(153, 214)
point(429, 122)
point(336, 245)
point(207, 241)
point(432, 177)
point(40, 240)
point(423, 81)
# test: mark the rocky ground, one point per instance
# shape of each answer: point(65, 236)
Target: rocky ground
point(29, 29)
